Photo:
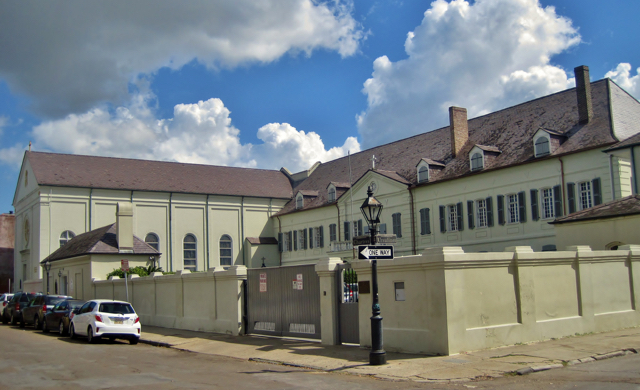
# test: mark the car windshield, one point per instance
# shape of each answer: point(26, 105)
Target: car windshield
point(116, 308)
point(53, 300)
point(76, 304)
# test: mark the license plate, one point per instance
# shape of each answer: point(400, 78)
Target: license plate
point(117, 322)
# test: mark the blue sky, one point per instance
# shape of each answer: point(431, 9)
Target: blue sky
point(283, 82)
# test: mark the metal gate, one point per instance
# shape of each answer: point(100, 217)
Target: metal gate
point(283, 301)
point(347, 282)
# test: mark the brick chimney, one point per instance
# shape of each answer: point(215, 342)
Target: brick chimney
point(583, 91)
point(459, 128)
point(124, 227)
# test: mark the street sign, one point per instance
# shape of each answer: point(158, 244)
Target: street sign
point(375, 252)
point(124, 264)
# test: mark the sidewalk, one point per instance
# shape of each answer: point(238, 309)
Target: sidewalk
point(496, 362)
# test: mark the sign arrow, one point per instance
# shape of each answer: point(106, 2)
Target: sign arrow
point(373, 252)
point(365, 252)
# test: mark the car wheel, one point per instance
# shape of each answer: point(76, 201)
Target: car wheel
point(90, 337)
point(72, 332)
point(13, 320)
point(61, 328)
point(36, 323)
point(133, 341)
point(45, 328)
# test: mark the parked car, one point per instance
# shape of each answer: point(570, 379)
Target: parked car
point(4, 299)
point(13, 311)
point(41, 304)
point(59, 316)
point(106, 318)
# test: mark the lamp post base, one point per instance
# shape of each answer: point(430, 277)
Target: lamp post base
point(377, 358)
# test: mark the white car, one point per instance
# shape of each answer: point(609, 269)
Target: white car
point(106, 318)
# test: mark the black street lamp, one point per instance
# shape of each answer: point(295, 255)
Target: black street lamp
point(47, 267)
point(371, 209)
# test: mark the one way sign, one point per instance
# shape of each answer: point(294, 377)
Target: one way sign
point(375, 252)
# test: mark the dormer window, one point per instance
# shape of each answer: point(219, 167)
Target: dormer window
point(477, 161)
point(299, 201)
point(423, 174)
point(541, 146)
point(332, 194)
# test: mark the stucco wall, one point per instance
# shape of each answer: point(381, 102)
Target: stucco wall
point(457, 301)
point(202, 301)
point(600, 234)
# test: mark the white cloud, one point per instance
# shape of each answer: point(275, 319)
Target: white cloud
point(68, 56)
point(198, 133)
point(622, 76)
point(12, 156)
point(483, 56)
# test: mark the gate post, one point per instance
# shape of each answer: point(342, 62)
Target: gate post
point(326, 270)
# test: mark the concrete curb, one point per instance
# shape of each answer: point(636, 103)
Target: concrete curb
point(609, 355)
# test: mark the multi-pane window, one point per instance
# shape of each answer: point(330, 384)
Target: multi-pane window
point(332, 194)
point(316, 237)
point(481, 213)
point(66, 236)
point(397, 224)
point(152, 240)
point(357, 226)
point(332, 232)
point(286, 241)
point(547, 203)
point(189, 246)
point(452, 213)
point(542, 146)
point(513, 209)
point(476, 161)
point(301, 239)
point(584, 195)
point(226, 250)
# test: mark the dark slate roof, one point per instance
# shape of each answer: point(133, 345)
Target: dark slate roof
point(629, 142)
point(262, 240)
point(98, 241)
point(68, 170)
point(488, 148)
point(510, 130)
point(629, 205)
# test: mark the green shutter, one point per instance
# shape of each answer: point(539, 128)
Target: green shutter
point(470, 214)
point(535, 215)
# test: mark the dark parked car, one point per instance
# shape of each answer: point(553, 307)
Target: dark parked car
point(13, 311)
point(38, 307)
point(58, 317)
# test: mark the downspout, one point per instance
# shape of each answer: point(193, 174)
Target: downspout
point(280, 231)
point(90, 207)
point(613, 186)
point(131, 199)
point(170, 233)
point(50, 193)
point(413, 223)
point(244, 262)
point(207, 231)
point(564, 204)
point(634, 178)
point(338, 237)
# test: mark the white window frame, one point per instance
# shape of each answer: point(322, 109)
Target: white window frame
point(482, 220)
point(190, 267)
point(584, 195)
point(225, 238)
point(285, 242)
point(547, 203)
point(316, 237)
point(512, 208)
point(452, 217)
point(301, 243)
point(65, 237)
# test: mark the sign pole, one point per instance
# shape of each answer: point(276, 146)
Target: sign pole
point(377, 356)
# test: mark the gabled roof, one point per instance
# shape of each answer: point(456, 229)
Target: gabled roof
point(430, 162)
point(629, 205)
point(98, 241)
point(68, 170)
point(509, 130)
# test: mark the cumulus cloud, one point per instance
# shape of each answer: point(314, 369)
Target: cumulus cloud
point(197, 133)
point(483, 56)
point(622, 76)
point(68, 56)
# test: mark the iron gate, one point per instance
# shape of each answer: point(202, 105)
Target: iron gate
point(283, 301)
point(347, 282)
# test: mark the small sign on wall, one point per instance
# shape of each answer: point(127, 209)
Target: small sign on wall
point(297, 283)
point(263, 282)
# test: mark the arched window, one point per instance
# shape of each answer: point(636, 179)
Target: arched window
point(153, 241)
point(190, 253)
point(66, 236)
point(542, 146)
point(423, 174)
point(226, 250)
point(332, 194)
point(299, 202)
point(476, 161)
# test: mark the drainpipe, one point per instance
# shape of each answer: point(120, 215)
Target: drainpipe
point(280, 231)
point(413, 223)
point(564, 203)
point(207, 230)
point(613, 186)
point(170, 233)
point(90, 207)
point(634, 177)
point(338, 232)
point(244, 262)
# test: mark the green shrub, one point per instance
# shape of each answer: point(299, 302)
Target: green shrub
point(139, 270)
